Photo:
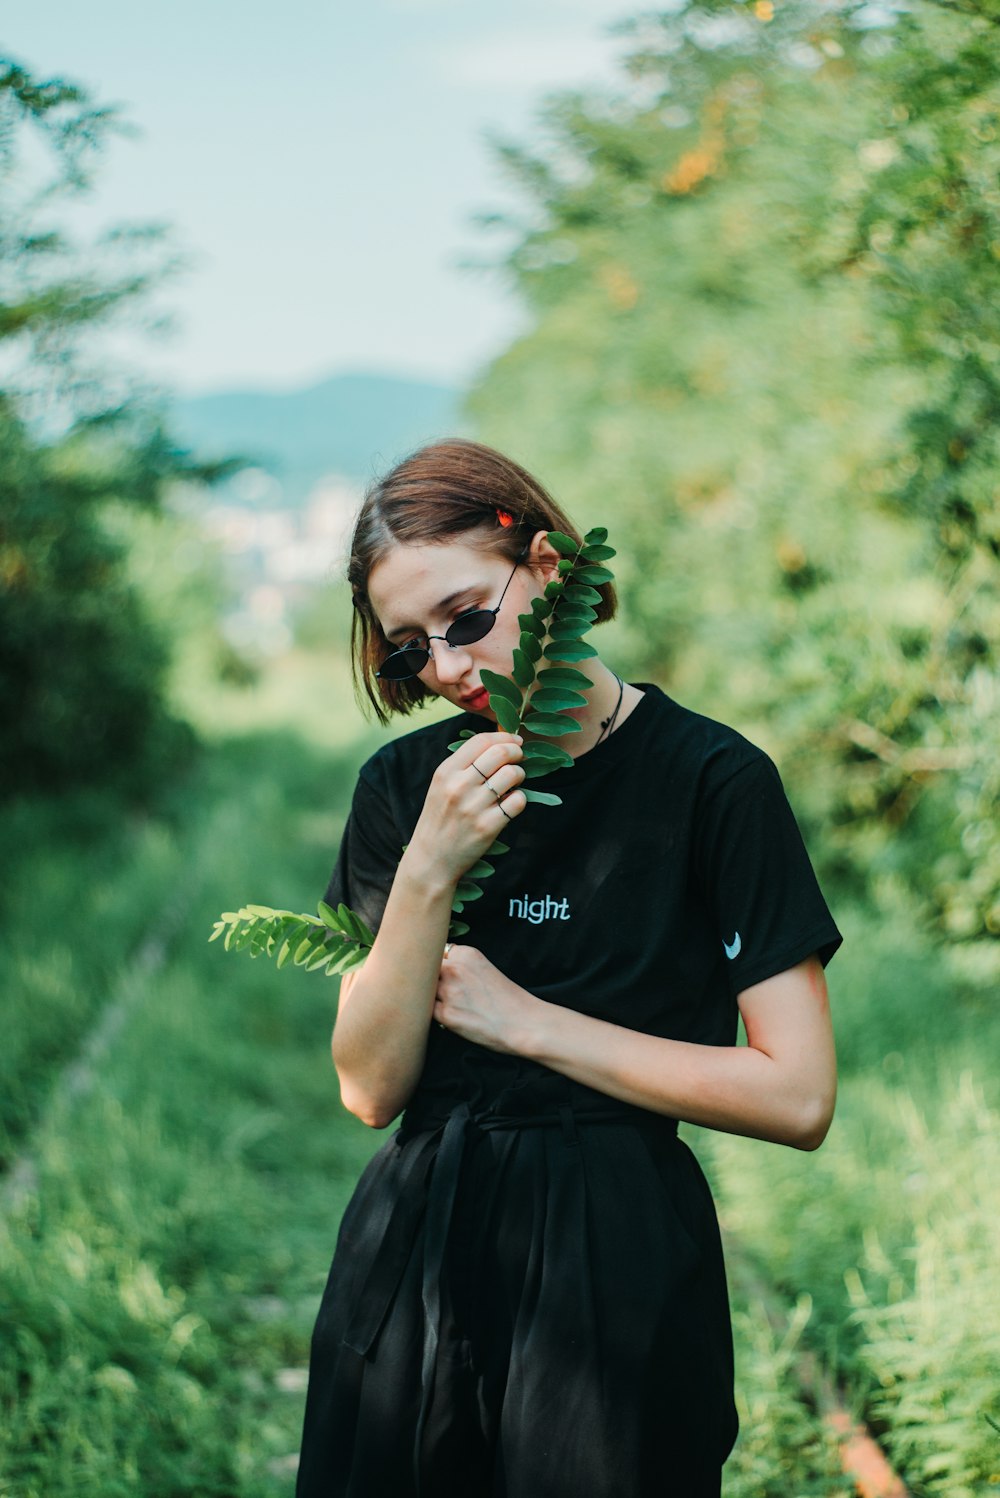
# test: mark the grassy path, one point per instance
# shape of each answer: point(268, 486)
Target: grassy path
point(158, 1282)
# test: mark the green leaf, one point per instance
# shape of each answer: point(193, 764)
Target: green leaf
point(552, 725)
point(496, 847)
point(259, 940)
point(467, 891)
point(524, 670)
point(357, 960)
point(563, 544)
point(561, 676)
point(553, 701)
point(319, 958)
point(580, 593)
point(457, 904)
point(542, 607)
point(569, 650)
point(596, 537)
point(217, 930)
point(458, 928)
point(554, 753)
point(598, 553)
point(350, 921)
point(541, 759)
point(571, 630)
point(531, 624)
point(480, 870)
point(367, 934)
point(564, 566)
point(465, 733)
point(264, 911)
point(345, 962)
point(305, 949)
point(292, 937)
point(593, 574)
point(575, 614)
point(531, 646)
point(241, 936)
point(554, 588)
point(501, 686)
point(330, 917)
point(508, 715)
point(544, 798)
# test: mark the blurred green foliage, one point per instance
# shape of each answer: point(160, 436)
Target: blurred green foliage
point(766, 348)
point(162, 1277)
point(767, 351)
point(83, 666)
point(159, 1282)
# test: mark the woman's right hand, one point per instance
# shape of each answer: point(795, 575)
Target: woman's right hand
point(462, 813)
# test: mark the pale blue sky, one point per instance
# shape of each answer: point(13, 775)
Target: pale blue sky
point(321, 162)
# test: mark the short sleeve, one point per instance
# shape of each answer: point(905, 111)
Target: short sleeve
point(370, 850)
point(752, 864)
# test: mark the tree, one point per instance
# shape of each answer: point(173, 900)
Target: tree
point(82, 669)
point(757, 275)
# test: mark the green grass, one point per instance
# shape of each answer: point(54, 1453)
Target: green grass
point(163, 1281)
point(160, 1284)
point(893, 1226)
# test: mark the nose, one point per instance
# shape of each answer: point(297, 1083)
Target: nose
point(451, 662)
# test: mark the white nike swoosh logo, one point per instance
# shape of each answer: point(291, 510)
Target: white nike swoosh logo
point(735, 949)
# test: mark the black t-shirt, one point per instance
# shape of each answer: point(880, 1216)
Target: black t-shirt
point(672, 877)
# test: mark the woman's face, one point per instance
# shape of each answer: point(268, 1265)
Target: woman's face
point(421, 590)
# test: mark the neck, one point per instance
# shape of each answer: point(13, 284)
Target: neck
point(602, 700)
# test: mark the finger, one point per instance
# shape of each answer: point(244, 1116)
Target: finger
point(498, 757)
point(512, 805)
point(502, 781)
point(479, 744)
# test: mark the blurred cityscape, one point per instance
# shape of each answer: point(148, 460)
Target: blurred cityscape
point(275, 556)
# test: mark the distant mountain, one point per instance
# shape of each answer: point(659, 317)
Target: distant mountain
point(355, 425)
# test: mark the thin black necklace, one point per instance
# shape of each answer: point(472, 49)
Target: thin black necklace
point(608, 724)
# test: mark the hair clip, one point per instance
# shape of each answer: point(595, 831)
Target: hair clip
point(505, 518)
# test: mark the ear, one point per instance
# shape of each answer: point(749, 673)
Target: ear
point(543, 558)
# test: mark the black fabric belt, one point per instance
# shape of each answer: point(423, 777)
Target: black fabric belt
point(432, 1152)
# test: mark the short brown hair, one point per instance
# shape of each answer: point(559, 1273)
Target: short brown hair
point(450, 488)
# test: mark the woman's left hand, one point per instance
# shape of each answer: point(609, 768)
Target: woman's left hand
point(477, 1001)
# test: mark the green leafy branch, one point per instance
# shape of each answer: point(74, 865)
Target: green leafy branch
point(537, 697)
point(334, 940)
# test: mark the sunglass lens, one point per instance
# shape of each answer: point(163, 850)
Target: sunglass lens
point(404, 663)
point(471, 627)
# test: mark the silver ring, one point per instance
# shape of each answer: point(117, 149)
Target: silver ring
point(447, 948)
point(486, 781)
point(479, 772)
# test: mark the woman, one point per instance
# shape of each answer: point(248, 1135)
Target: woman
point(528, 1297)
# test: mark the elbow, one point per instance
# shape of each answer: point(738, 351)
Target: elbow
point(374, 1110)
point(370, 1110)
point(812, 1124)
point(357, 1099)
point(374, 1119)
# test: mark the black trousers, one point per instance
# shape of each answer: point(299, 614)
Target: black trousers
point(524, 1309)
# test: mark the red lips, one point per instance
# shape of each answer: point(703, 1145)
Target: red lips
point(476, 701)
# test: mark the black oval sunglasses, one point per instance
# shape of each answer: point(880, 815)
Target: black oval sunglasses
point(465, 630)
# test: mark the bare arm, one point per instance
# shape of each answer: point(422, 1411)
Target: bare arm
point(380, 1036)
point(781, 1086)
